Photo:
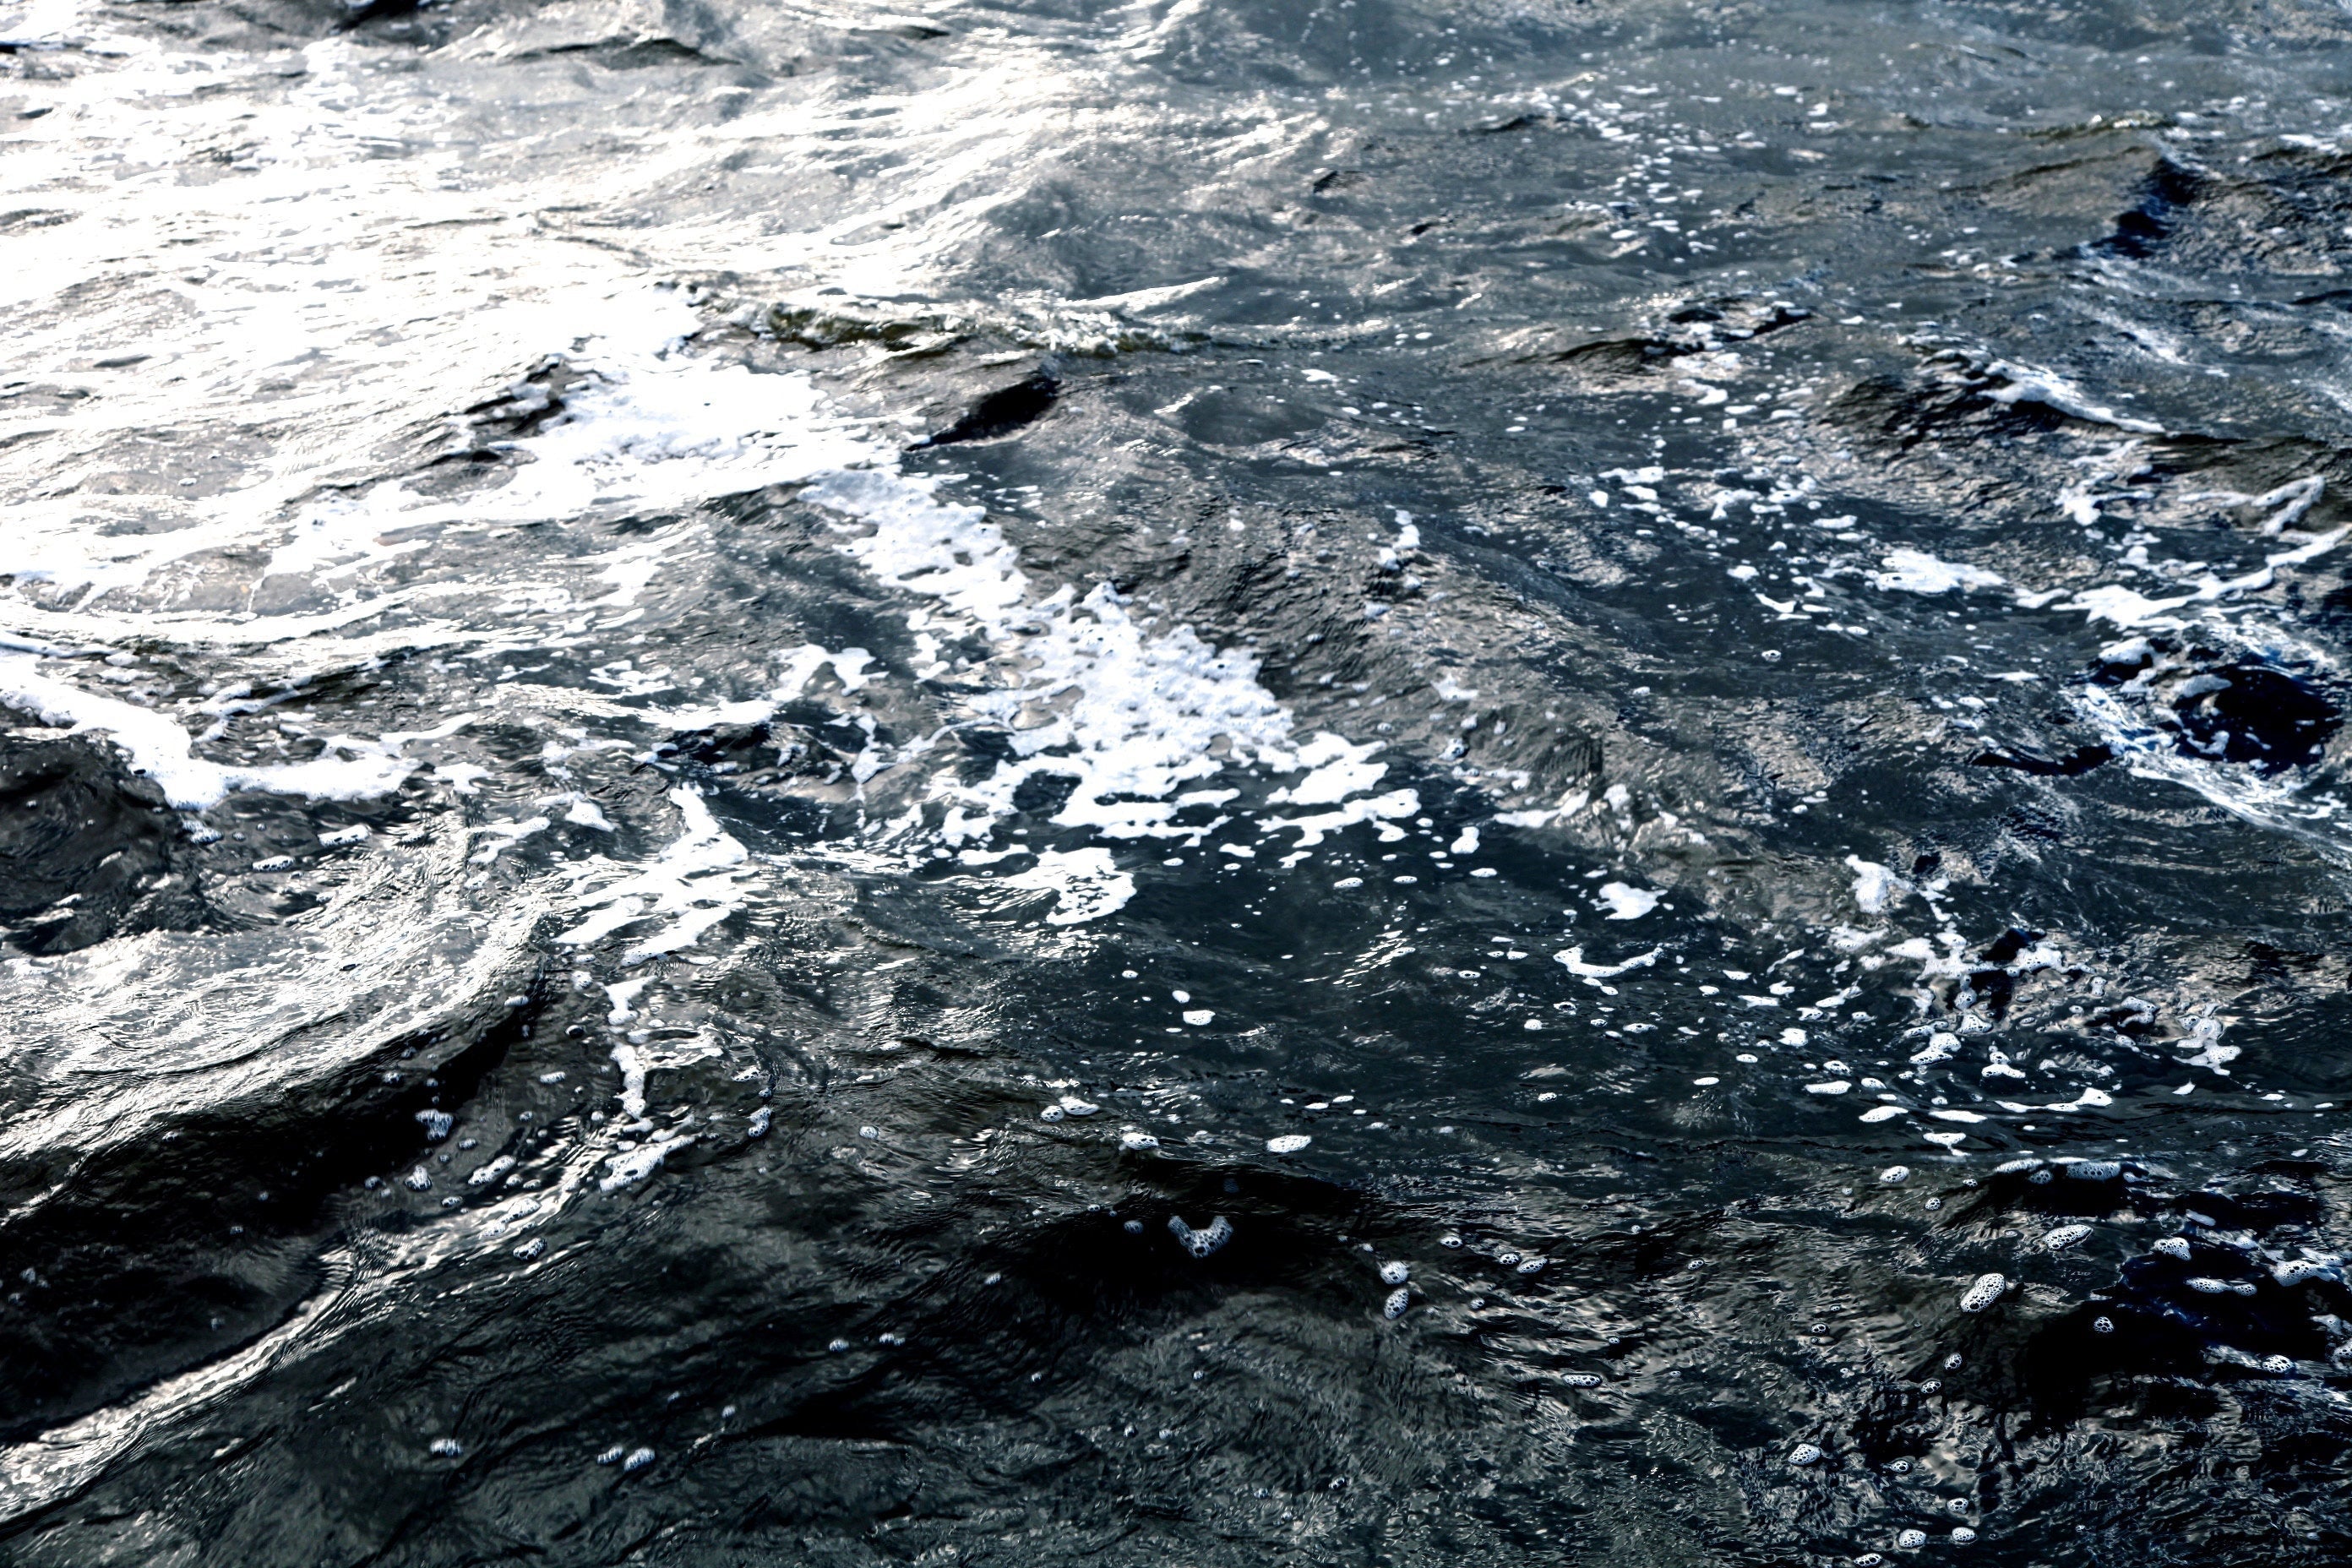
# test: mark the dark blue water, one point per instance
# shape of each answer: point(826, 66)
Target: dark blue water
point(724, 716)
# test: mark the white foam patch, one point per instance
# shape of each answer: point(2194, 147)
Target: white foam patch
point(2027, 384)
point(1876, 890)
point(1626, 903)
point(1338, 770)
point(349, 768)
point(698, 881)
point(1573, 960)
point(1131, 718)
point(1915, 572)
point(1086, 885)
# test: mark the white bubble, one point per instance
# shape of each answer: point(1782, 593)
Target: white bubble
point(1052, 1114)
point(1394, 1273)
point(2103, 1325)
point(447, 1447)
point(1531, 1265)
point(1983, 1293)
point(2094, 1170)
point(417, 1180)
point(1963, 1535)
point(437, 1124)
point(638, 1459)
point(2065, 1236)
point(1201, 1243)
point(2206, 1285)
point(1131, 1140)
point(1895, 1175)
point(1581, 1380)
point(1449, 1241)
point(2173, 1247)
point(1911, 1539)
point(1805, 1454)
point(611, 1455)
point(1288, 1143)
point(1398, 1299)
point(2295, 1271)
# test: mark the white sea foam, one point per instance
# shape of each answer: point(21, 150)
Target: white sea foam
point(348, 768)
point(1915, 572)
point(1626, 903)
point(696, 881)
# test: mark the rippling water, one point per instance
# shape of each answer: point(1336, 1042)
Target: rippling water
point(1186, 784)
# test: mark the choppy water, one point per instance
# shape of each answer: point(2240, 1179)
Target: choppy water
point(1175, 783)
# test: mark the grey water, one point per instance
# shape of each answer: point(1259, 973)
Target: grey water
point(1183, 782)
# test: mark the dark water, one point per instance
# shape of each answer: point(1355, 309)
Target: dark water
point(724, 714)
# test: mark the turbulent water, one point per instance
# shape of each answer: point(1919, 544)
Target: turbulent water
point(1186, 784)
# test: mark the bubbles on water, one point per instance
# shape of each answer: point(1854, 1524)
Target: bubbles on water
point(1052, 1114)
point(612, 1456)
point(1398, 1301)
point(1954, 1362)
point(1805, 1454)
point(1449, 1241)
point(2064, 1236)
point(1581, 1380)
point(1963, 1535)
point(638, 1459)
point(2296, 1270)
point(418, 1180)
point(2173, 1247)
point(1202, 1242)
point(1531, 1265)
point(836, 1346)
point(2103, 1325)
point(1134, 1227)
point(1288, 1143)
point(1895, 1175)
point(1983, 1293)
point(2206, 1285)
point(2094, 1170)
point(447, 1447)
point(437, 1124)
point(1933, 1385)
point(1898, 1467)
point(1133, 1139)
point(2040, 1178)
point(1394, 1273)
point(531, 1249)
point(1910, 1539)
point(870, 1132)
